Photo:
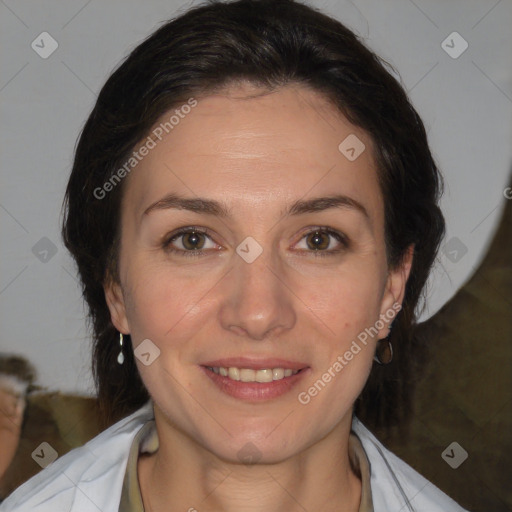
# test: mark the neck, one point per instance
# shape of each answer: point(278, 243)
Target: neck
point(191, 478)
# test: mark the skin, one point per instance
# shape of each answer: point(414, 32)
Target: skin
point(258, 153)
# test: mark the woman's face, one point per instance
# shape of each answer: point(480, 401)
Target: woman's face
point(256, 175)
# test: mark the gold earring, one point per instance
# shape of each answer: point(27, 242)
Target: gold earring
point(384, 353)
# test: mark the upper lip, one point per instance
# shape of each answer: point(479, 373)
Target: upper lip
point(255, 363)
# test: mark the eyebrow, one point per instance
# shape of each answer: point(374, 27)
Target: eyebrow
point(299, 207)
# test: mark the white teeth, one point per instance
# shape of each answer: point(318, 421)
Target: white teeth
point(264, 375)
point(234, 374)
point(247, 375)
point(250, 375)
point(277, 373)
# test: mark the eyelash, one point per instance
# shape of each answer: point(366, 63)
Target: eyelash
point(340, 237)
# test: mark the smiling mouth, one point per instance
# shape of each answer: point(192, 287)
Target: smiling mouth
point(263, 375)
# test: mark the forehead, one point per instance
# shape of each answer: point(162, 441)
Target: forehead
point(252, 148)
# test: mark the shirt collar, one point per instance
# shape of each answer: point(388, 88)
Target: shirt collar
point(146, 441)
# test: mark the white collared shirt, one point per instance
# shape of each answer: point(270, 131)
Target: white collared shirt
point(90, 478)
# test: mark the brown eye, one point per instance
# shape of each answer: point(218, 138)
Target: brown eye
point(318, 240)
point(189, 242)
point(193, 240)
point(323, 242)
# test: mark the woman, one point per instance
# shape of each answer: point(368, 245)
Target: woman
point(252, 204)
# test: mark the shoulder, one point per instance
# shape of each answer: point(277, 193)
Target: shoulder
point(86, 478)
point(396, 485)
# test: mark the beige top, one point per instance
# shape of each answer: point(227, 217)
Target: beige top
point(146, 441)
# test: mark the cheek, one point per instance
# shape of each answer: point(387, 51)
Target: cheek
point(168, 311)
point(162, 304)
point(350, 307)
point(347, 301)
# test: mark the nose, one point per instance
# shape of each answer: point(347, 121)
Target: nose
point(257, 301)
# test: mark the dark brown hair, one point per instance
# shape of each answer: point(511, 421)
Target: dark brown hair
point(270, 43)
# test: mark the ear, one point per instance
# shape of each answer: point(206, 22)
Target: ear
point(394, 291)
point(116, 304)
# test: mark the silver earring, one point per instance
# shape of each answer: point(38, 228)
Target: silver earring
point(120, 357)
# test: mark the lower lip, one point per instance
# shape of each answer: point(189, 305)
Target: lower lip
point(255, 391)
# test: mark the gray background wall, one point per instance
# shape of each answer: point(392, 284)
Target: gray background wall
point(464, 98)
